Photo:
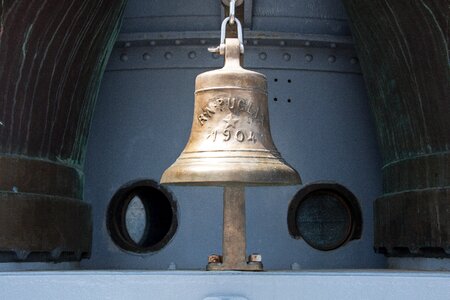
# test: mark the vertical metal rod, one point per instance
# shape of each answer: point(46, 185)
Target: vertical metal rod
point(234, 244)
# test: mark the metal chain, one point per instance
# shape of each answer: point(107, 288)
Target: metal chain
point(232, 20)
point(232, 9)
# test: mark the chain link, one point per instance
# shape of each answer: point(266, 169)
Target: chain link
point(232, 20)
point(232, 11)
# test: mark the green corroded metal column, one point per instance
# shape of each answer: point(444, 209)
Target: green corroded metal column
point(403, 48)
point(52, 57)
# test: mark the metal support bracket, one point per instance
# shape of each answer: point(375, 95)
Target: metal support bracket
point(234, 241)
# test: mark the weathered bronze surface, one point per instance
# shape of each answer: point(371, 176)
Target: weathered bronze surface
point(230, 140)
point(52, 57)
point(231, 146)
point(38, 227)
point(403, 48)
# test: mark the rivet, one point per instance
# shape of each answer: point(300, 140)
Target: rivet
point(307, 43)
point(295, 266)
point(262, 55)
point(282, 43)
point(332, 45)
point(353, 60)
point(177, 42)
point(172, 266)
point(127, 44)
point(286, 56)
point(123, 57)
point(308, 57)
point(245, 42)
point(152, 43)
point(255, 42)
point(146, 56)
point(168, 55)
point(202, 42)
point(192, 55)
point(331, 58)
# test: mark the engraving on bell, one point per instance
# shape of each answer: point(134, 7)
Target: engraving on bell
point(230, 141)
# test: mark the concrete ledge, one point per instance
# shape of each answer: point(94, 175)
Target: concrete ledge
point(357, 284)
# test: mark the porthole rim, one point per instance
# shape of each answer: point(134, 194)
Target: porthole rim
point(343, 193)
point(114, 206)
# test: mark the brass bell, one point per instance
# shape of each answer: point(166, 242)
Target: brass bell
point(230, 140)
point(231, 146)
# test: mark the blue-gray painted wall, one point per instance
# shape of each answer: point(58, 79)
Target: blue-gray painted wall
point(142, 121)
point(144, 113)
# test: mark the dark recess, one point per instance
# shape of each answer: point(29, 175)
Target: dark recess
point(160, 208)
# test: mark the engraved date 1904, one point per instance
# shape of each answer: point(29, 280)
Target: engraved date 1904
point(227, 135)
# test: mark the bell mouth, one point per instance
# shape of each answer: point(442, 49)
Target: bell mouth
point(231, 171)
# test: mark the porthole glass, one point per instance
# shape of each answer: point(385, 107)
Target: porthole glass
point(323, 220)
point(142, 217)
point(325, 215)
point(136, 219)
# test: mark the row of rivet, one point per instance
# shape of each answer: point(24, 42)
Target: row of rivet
point(262, 56)
point(203, 42)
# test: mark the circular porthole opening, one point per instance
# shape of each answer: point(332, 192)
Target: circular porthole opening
point(142, 217)
point(325, 215)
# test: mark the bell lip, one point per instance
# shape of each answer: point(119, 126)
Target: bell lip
point(231, 183)
point(284, 177)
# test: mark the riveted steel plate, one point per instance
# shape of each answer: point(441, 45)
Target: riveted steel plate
point(262, 50)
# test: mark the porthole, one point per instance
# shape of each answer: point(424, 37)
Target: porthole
point(142, 217)
point(325, 215)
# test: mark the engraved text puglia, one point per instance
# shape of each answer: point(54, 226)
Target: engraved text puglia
point(235, 105)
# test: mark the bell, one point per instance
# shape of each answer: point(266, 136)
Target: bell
point(230, 142)
point(231, 146)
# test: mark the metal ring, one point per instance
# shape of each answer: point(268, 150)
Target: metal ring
point(223, 32)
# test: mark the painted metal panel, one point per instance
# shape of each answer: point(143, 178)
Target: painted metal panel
point(171, 15)
point(320, 123)
point(311, 16)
